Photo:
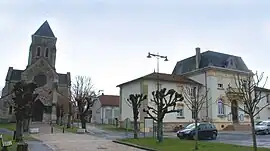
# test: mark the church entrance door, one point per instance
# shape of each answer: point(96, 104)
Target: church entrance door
point(38, 109)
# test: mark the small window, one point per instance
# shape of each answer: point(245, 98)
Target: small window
point(47, 52)
point(192, 92)
point(38, 51)
point(180, 112)
point(220, 86)
point(10, 110)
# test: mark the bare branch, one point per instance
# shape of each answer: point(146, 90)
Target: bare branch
point(248, 89)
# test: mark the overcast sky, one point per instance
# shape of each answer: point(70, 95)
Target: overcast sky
point(108, 40)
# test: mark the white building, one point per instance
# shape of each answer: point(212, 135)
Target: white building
point(106, 109)
point(146, 85)
point(215, 71)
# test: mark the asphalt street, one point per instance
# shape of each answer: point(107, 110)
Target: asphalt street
point(238, 138)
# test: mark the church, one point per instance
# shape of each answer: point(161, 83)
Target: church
point(53, 88)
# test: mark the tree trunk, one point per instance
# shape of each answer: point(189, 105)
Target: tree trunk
point(69, 121)
point(61, 121)
point(83, 122)
point(160, 130)
point(196, 132)
point(26, 125)
point(253, 133)
point(135, 129)
point(19, 130)
point(57, 120)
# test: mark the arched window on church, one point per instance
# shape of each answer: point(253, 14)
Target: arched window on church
point(221, 107)
point(40, 80)
point(38, 51)
point(47, 52)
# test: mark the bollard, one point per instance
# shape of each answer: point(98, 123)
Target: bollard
point(51, 129)
point(63, 129)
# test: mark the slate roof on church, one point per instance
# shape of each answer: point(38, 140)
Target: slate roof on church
point(208, 58)
point(45, 30)
point(16, 76)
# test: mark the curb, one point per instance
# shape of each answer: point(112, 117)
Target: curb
point(134, 145)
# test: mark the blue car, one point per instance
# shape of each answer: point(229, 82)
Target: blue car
point(205, 131)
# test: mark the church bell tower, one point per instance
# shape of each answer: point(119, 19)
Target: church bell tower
point(43, 45)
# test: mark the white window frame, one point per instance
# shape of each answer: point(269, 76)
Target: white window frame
point(221, 107)
point(181, 108)
point(220, 86)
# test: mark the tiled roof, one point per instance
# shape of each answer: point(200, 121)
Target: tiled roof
point(164, 77)
point(109, 100)
point(208, 58)
point(45, 30)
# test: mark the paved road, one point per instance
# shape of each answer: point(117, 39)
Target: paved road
point(238, 138)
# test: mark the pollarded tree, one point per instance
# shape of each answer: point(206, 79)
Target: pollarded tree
point(23, 101)
point(248, 89)
point(164, 102)
point(84, 96)
point(195, 97)
point(135, 101)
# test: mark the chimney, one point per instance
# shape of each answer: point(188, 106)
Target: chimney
point(198, 57)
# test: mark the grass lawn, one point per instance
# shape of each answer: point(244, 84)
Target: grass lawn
point(112, 128)
point(175, 144)
point(71, 130)
point(9, 126)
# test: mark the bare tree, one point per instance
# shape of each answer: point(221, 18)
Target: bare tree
point(135, 101)
point(164, 102)
point(84, 96)
point(247, 89)
point(23, 98)
point(195, 97)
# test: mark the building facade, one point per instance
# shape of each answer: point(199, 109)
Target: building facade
point(146, 85)
point(106, 110)
point(216, 71)
point(53, 87)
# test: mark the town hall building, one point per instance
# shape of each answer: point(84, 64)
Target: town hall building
point(53, 87)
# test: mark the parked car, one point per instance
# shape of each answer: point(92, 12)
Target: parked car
point(205, 131)
point(262, 127)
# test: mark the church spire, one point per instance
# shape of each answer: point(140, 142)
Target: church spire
point(45, 30)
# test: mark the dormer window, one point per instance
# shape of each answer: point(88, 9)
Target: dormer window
point(38, 51)
point(47, 52)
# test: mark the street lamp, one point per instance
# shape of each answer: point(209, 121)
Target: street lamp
point(159, 104)
point(157, 56)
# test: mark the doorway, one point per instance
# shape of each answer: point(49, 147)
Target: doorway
point(234, 111)
point(38, 109)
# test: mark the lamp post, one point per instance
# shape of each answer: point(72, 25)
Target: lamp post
point(157, 56)
point(159, 104)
